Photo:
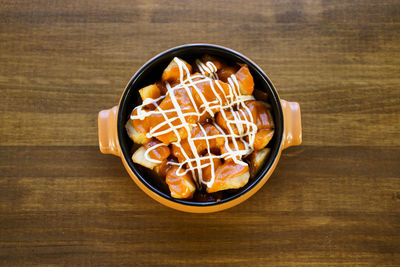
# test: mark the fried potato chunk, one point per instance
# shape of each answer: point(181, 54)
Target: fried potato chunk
point(226, 152)
point(238, 119)
point(157, 150)
point(257, 158)
point(230, 176)
point(205, 140)
point(137, 137)
point(139, 158)
point(180, 186)
point(210, 163)
point(245, 79)
point(162, 169)
point(171, 72)
point(262, 138)
point(151, 91)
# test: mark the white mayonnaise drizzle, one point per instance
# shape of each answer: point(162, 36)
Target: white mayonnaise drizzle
point(245, 125)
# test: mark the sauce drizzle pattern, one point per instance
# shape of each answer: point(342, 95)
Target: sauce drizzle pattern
point(243, 122)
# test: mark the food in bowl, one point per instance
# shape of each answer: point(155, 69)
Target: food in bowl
point(202, 128)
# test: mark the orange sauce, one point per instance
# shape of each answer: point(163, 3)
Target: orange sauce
point(207, 171)
point(172, 72)
point(262, 138)
point(258, 110)
point(179, 185)
point(261, 114)
point(159, 153)
point(240, 145)
point(210, 95)
point(155, 119)
point(201, 145)
point(226, 171)
point(244, 77)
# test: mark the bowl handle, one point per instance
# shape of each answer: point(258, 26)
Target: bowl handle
point(108, 134)
point(292, 134)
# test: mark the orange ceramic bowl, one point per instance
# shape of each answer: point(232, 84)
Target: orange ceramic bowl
point(113, 138)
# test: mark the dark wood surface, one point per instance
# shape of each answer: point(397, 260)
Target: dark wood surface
point(335, 200)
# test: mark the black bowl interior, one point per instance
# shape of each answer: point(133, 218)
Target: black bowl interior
point(151, 72)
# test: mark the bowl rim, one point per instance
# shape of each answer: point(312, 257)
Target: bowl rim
point(262, 173)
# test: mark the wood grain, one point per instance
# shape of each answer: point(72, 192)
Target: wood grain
point(335, 200)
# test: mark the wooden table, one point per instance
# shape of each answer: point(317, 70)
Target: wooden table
point(335, 200)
